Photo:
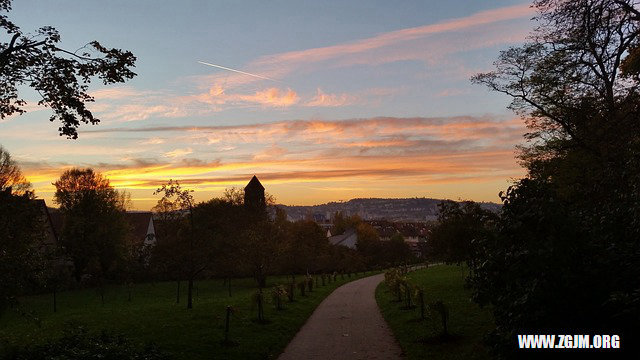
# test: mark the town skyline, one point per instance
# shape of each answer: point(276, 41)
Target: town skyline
point(321, 104)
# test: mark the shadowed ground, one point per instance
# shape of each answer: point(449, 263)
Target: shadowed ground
point(346, 325)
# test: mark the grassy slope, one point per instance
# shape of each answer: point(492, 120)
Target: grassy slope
point(154, 316)
point(467, 322)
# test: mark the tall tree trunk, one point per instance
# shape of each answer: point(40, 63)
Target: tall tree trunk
point(55, 300)
point(229, 286)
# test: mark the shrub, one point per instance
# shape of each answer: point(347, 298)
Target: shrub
point(77, 343)
point(441, 309)
point(310, 283)
point(302, 286)
point(277, 294)
point(258, 300)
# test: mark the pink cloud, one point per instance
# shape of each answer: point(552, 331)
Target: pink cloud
point(395, 37)
point(272, 97)
point(323, 99)
point(482, 29)
point(217, 95)
point(119, 92)
point(452, 92)
point(178, 153)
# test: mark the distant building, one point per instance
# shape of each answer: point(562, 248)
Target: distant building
point(319, 218)
point(142, 227)
point(143, 230)
point(254, 195)
point(348, 239)
point(51, 240)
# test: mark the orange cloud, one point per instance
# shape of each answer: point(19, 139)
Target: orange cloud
point(272, 97)
point(178, 153)
point(330, 100)
point(267, 97)
point(380, 151)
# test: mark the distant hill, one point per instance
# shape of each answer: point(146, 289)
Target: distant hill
point(409, 209)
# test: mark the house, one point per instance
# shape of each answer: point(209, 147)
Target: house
point(142, 227)
point(349, 239)
point(141, 222)
point(51, 239)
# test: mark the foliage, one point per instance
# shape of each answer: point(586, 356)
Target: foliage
point(22, 237)
point(309, 280)
point(192, 259)
point(79, 343)
point(395, 278)
point(60, 76)
point(566, 254)
point(442, 310)
point(302, 286)
point(303, 243)
point(342, 223)
point(257, 299)
point(396, 251)
point(278, 293)
point(11, 176)
point(94, 226)
point(153, 316)
point(259, 249)
point(458, 226)
point(420, 338)
point(168, 256)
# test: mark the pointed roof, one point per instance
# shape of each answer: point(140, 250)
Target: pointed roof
point(139, 222)
point(254, 184)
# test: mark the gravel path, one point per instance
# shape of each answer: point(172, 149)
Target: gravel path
point(346, 325)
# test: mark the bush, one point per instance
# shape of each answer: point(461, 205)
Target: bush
point(278, 293)
point(77, 343)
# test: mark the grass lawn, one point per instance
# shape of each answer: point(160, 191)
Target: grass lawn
point(418, 338)
point(153, 316)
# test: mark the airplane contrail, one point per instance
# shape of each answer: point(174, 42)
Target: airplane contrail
point(238, 71)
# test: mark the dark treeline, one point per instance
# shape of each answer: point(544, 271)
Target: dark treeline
point(563, 256)
point(233, 240)
point(219, 238)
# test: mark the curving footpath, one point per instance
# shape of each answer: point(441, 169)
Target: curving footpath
point(346, 325)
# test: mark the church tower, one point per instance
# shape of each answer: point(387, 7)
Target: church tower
point(254, 195)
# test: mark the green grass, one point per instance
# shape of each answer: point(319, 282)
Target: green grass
point(420, 339)
point(154, 316)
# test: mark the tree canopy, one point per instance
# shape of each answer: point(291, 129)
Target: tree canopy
point(94, 227)
point(10, 175)
point(565, 254)
point(60, 76)
point(22, 233)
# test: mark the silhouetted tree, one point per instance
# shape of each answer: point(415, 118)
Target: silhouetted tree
point(220, 225)
point(566, 252)
point(183, 202)
point(11, 175)
point(168, 257)
point(459, 224)
point(396, 251)
point(60, 76)
point(369, 244)
point(94, 226)
point(304, 242)
point(259, 249)
point(22, 235)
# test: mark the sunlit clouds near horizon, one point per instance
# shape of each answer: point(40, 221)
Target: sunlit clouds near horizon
point(357, 109)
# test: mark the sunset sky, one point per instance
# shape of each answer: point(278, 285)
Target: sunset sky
point(351, 98)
